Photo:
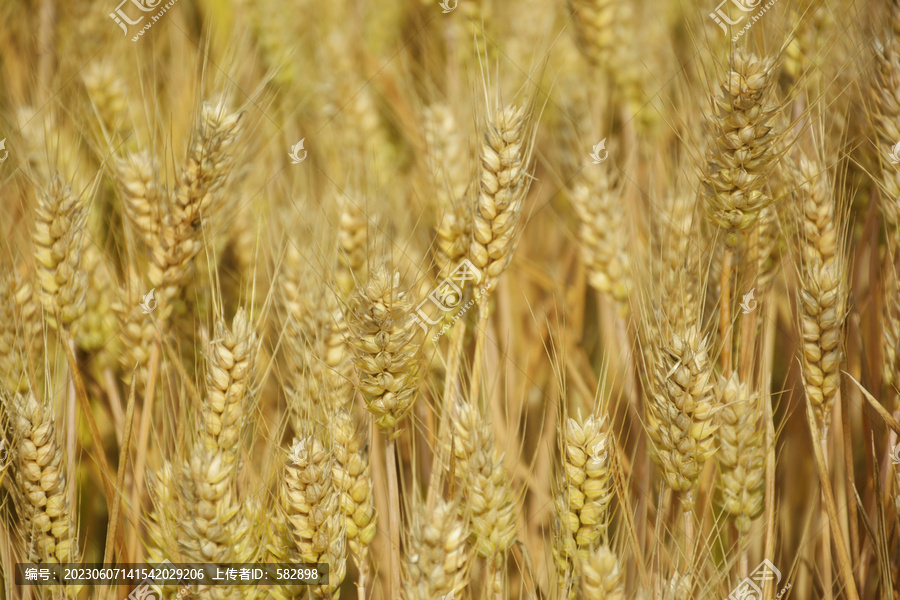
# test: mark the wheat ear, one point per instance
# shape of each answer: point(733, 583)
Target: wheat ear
point(435, 563)
point(587, 479)
point(310, 507)
point(680, 408)
point(42, 493)
point(603, 233)
point(885, 114)
point(59, 239)
point(741, 452)
point(387, 355)
point(19, 327)
point(211, 158)
point(352, 245)
point(141, 196)
point(602, 578)
point(487, 494)
point(823, 287)
point(353, 480)
point(446, 161)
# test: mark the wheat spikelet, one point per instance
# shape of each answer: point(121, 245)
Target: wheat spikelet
point(19, 327)
point(503, 184)
point(353, 480)
point(436, 558)
point(59, 240)
point(823, 287)
point(741, 452)
point(603, 234)
point(601, 575)
point(487, 494)
point(40, 482)
point(137, 176)
point(352, 249)
point(386, 354)
point(211, 158)
point(309, 504)
point(587, 479)
point(743, 149)
point(679, 415)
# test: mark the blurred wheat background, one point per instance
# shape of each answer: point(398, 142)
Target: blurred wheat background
point(535, 299)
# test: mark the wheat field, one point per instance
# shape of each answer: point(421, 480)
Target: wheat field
point(464, 299)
